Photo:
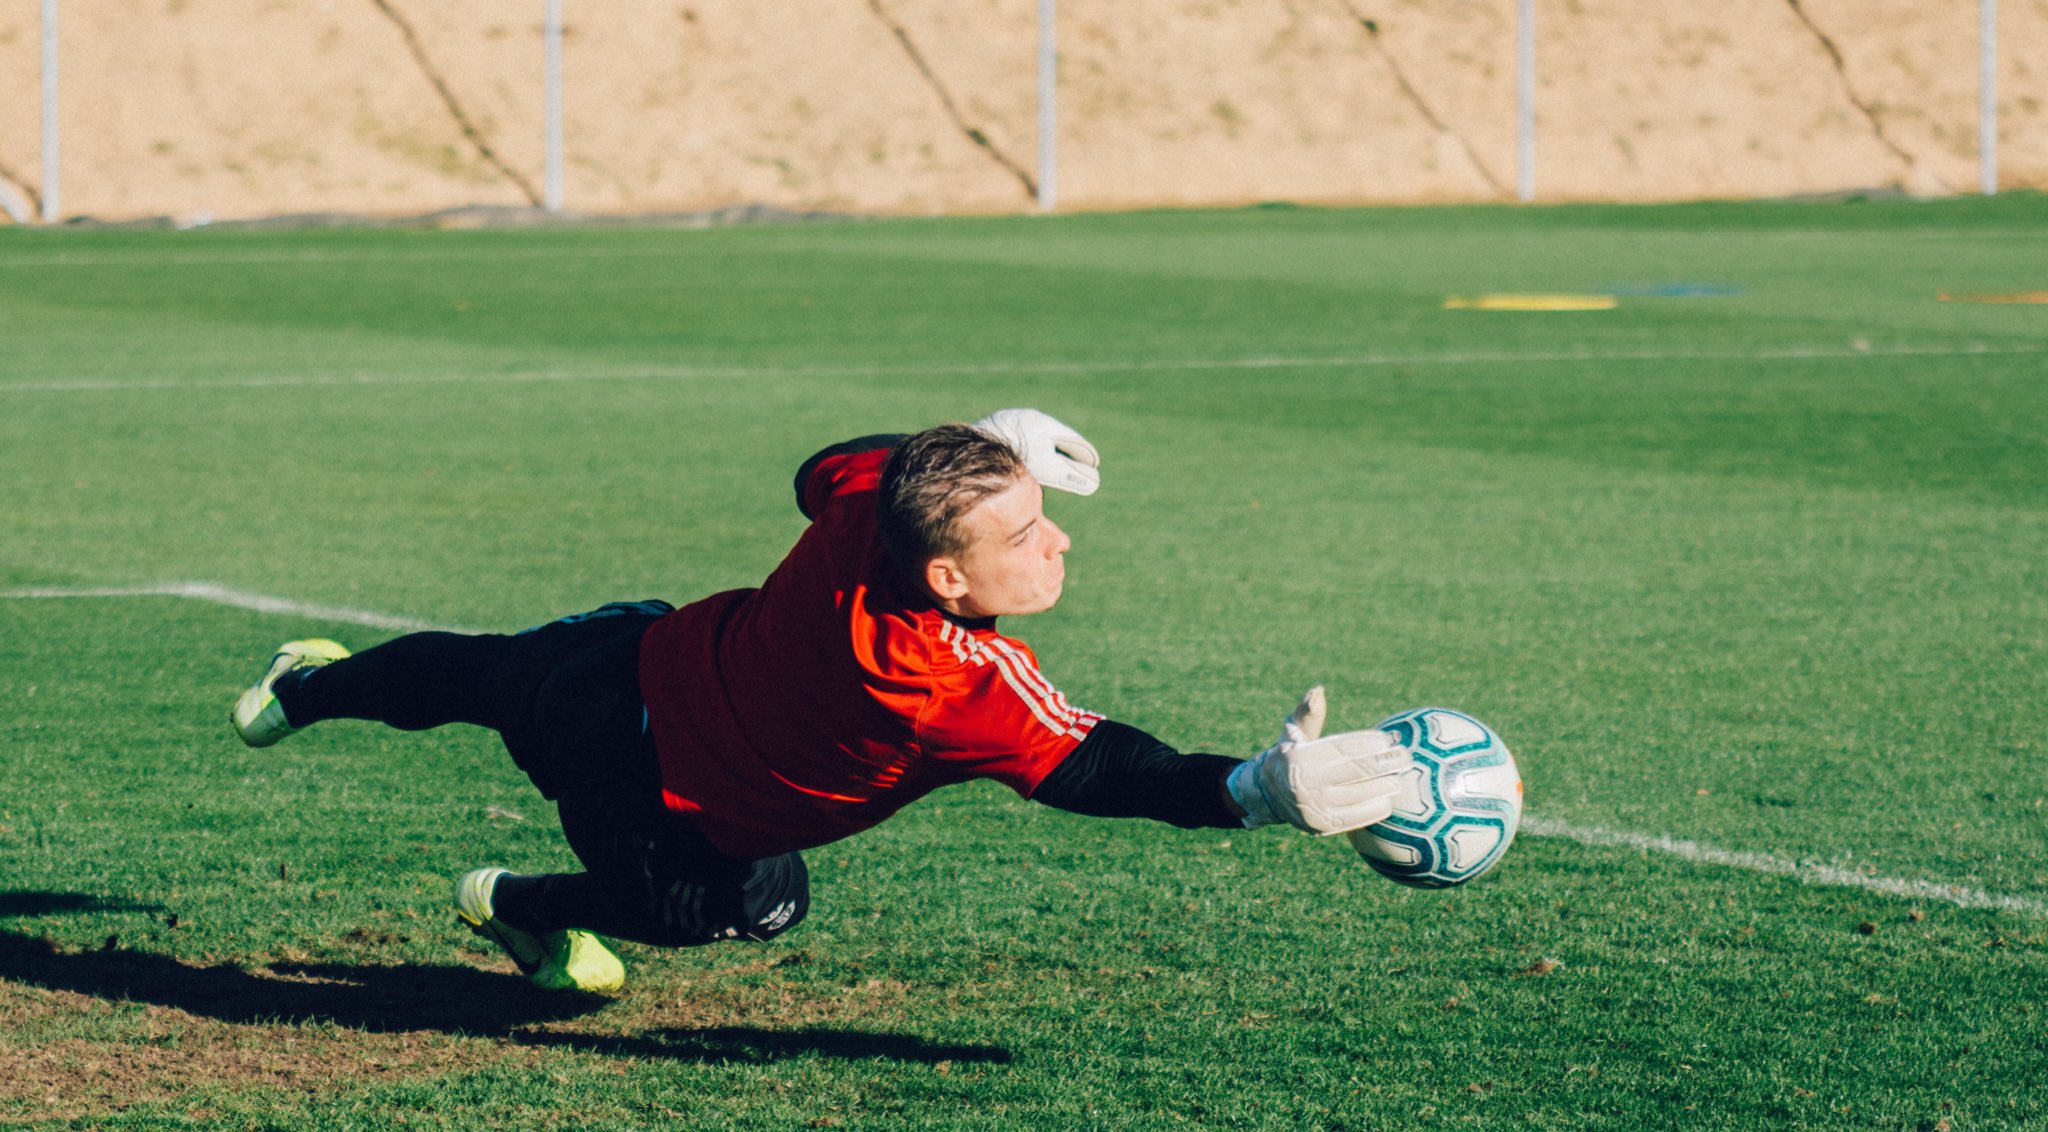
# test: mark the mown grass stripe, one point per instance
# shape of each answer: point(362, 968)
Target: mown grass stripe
point(559, 245)
point(1023, 369)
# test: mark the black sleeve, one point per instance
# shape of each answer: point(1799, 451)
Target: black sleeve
point(845, 448)
point(1119, 771)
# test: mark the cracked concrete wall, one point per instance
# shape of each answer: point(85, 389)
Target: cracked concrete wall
point(1244, 100)
point(1919, 79)
point(20, 125)
point(254, 107)
point(810, 105)
point(250, 108)
point(1741, 98)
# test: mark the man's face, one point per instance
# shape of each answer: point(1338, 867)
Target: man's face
point(1014, 560)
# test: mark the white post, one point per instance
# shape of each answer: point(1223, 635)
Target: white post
point(50, 203)
point(551, 40)
point(1987, 97)
point(1525, 99)
point(1048, 109)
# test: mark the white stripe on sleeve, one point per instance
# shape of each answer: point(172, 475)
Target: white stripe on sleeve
point(1023, 677)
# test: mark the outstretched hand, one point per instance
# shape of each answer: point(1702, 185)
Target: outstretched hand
point(1320, 785)
point(1305, 723)
point(1054, 453)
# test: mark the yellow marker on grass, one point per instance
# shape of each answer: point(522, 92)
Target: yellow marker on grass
point(1530, 303)
point(1995, 297)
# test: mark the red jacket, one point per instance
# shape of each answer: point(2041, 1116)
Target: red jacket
point(837, 693)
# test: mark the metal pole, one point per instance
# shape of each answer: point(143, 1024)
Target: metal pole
point(1525, 99)
point(1048, 109)
point(50, 202)
point(1987, 97)
point(551, 39)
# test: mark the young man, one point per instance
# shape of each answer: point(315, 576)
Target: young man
point(695, 752)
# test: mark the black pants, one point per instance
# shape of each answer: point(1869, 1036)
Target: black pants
point(565, 697)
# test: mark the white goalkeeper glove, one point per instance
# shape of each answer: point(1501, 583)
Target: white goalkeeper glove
point(1345, 782)
point(1053, 453)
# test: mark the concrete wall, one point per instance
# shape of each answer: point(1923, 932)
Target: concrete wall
point(237, 108)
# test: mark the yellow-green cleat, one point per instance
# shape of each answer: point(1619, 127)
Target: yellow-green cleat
point(564, 960)
point(258, 717)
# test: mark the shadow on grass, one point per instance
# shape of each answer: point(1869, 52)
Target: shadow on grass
point(752, 1045)
point(403, 999)
point(14, 904)
point(375, 997)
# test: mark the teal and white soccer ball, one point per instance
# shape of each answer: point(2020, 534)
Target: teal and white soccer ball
point(1458, 807)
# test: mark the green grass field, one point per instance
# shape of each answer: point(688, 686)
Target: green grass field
point(1753, 583)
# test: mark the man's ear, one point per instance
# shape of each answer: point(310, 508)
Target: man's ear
point(942, 576)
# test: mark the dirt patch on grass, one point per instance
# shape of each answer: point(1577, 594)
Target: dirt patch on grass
point(93, 1032)
point(156, 1054)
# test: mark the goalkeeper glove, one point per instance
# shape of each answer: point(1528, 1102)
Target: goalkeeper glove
point(1345, 782)
point(1053, 453)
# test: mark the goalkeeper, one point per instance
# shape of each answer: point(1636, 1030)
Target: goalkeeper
point(694, 753)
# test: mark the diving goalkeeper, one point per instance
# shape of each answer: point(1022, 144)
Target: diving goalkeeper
point(694, 753)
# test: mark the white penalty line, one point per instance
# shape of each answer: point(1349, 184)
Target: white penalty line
point(1804, 872)
point(1849, 352)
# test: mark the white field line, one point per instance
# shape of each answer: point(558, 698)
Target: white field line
point(260, 603)
point(975, 369)
point(1805, 872)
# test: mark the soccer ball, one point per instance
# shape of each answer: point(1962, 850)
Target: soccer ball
point(1458, 807)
